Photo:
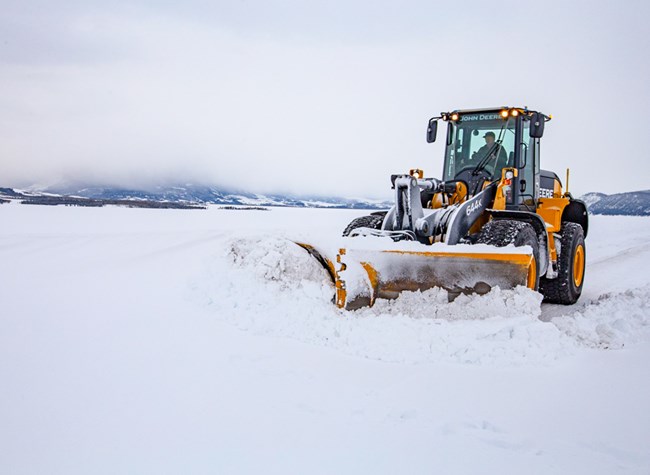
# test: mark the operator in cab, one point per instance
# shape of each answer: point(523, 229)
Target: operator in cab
point(493, 153)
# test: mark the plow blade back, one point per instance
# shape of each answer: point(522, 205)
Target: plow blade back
point(361, 276)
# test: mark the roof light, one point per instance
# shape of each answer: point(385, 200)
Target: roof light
point(455, 116)
point(514, 112)
point(504, 113)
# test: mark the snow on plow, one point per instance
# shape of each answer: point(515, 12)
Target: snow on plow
point(362, 274)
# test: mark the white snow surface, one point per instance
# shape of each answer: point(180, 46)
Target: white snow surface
point(175, 341)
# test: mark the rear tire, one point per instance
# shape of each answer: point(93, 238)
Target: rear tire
point(567, 287)
point(374, 221)
point(503, 232)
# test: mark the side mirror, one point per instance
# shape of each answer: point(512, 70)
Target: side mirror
point(432, 130)
point(537, 125)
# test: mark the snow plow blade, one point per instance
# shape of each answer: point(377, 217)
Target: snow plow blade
point(361, 276)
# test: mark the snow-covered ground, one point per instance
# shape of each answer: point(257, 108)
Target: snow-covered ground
point(173, 341)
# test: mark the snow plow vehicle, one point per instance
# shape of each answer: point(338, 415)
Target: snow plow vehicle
point(493, 219)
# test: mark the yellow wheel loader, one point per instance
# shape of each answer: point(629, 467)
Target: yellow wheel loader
point(493, 219)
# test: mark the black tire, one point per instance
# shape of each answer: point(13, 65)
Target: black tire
point(373, 221)
point(503, 232)
point(567, 287)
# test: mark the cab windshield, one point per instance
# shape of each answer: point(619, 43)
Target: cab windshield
point(483, 140)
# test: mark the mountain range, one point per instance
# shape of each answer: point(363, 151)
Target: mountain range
point(632, 203)
point(635, 203)
point(187, 194)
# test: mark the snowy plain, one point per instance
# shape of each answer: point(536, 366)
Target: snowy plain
point(204, 341)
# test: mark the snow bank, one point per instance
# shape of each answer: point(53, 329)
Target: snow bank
point(275, 260)
point(270, 286)
point(611, 321)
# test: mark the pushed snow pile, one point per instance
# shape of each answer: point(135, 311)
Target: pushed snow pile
point(273, 287)
point(611, 321)
point(275, 260)
point(270, 286)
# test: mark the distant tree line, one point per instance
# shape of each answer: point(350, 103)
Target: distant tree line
point(244, 208)
point(90, 202)
point(7, 194)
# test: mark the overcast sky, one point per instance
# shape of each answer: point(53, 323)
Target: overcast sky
point(329, 97)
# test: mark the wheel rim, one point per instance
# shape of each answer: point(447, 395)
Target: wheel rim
point(532, 274)
point(578, 265)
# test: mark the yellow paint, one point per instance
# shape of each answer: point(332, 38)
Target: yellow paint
point(551, 209)
point(557, 189)
point(479, 223)
point(579, 265)
point(500, 198)
point(373, 277)
point(519, 259)
point(551, 246)
point(341, 294)
point(532, 275)
point(436, 201)
point(460, 194)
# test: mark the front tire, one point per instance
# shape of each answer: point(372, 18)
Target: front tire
point(503, 232)
point(567, 287)
point(374, 221)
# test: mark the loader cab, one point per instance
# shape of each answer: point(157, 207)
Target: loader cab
point(480, 143)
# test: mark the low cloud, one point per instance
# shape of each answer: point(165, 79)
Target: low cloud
point(142, 95)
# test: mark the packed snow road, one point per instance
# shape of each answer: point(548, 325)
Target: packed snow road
point(165, 341)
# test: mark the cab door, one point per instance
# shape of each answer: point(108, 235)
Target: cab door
point(526, 192)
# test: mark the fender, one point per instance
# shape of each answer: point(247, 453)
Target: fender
point(576, 212)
